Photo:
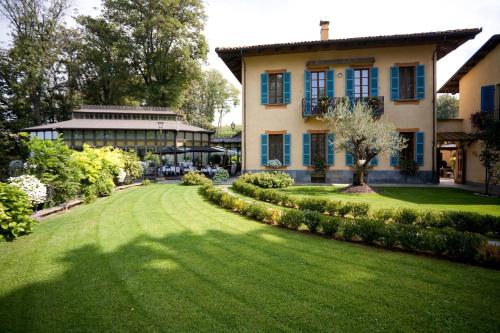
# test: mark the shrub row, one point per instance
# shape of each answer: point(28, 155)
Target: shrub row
point(273, 179)
point(461, 221)
point(447, 242)
point(195, 178)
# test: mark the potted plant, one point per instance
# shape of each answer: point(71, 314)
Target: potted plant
point(319, 173)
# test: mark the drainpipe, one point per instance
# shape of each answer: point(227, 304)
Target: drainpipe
point(434, 149)
point(244, 105)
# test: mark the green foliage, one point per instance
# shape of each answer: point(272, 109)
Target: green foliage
point(146, 182)
point(313, 219)
point(53, 163)
point(195, 178)
point(221, 176)
point(273, 179)
point(329, 225)
point(293, 218)
point(406, 216)
point(447, 107)
point(15, 212)
point(314, 204)
point(131, 165)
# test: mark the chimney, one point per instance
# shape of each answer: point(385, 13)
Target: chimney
point(324, 29)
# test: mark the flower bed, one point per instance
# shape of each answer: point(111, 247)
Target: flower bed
point(444, 242)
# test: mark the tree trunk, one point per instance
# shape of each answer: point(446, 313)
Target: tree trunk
point(358, 176)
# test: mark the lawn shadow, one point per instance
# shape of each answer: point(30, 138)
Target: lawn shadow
point(262, 280)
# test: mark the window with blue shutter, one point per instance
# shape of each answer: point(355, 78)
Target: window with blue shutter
point(349, 83)
point(394, 83)
point(487, 98)
point(394, 161)
point(307, 92)
point(264, 88)
point(349, 159)
point(306, 149)
point(374, 81)
point(287, 93)
point(330, 76)
point(420, 148)
point(287, 149)
point(330, 149)
point(263, 149)
point(420, 89)
point(374, 161)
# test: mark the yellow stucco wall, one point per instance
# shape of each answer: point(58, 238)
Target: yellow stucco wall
point(258, 119)
point(486, 72)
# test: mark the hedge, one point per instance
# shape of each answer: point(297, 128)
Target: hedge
point(461, 221)
point(446, 242)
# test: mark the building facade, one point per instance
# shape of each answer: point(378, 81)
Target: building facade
point(478, 82)
point(287, 86)
point(141, 129)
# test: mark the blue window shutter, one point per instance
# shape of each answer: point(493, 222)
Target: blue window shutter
point(330, 149)
point(263, 149)
point(374, 81)
point(287, 149)
point(394, 83)
point(374, 161)
point(349, 159)
point(287, 92)
point(394, 160)
point(330, 81)
point(349, 83)
point(487, 98)
point(306, 149)
point(264, 90)
point(307, 92)
point(420, 82)
point(420, 148)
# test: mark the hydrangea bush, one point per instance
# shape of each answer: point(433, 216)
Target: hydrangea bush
point(34, 188)
point(220, 176)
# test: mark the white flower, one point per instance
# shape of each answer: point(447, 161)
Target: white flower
point(274, 163)
point(34, 188)
point(121, 176)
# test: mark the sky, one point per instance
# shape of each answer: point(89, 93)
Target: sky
point(239, 23)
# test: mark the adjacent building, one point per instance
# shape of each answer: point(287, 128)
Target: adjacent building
point(142, 129)
point(478, 82)
point(288, 86)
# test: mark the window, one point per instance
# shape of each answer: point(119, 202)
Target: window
point(318, 85)
point(276, 88)
point(276, 147)
point(408, 153)
point(361, 79)
point(407, 82)
point(318, 148)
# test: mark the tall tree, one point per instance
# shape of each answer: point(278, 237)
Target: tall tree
point(211, 94)
point(447, 107)
point(162, 42)
point(33, 58)
point(363, 135)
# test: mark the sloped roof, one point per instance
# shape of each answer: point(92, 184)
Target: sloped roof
point(125, 109)
point(446, 42)
point(452, 85)
point(118, 124)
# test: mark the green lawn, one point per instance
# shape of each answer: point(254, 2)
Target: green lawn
point(413, 197)
point(160, 258)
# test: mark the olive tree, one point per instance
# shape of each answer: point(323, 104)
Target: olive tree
point(363, 134)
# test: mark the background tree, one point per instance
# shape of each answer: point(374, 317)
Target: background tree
point(488, 132)
point(447, 107)
point(363, 135)
point(211, 94)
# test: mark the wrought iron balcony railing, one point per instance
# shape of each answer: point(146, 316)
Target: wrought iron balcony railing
point(317, 107)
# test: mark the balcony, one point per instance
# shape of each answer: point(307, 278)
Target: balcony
point(317, 107)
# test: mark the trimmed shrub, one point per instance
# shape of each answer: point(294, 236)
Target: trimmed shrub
point(312, 220)
point(195, 178)
point(314, 204)
point(345, 209)
point(359, 209)
point(292, 218)
point(329, 225)
point(430, 218)
point(15, 212)
point(220, 176)
point(406, 216)
point(384, 214)
point(369, 230)
point(409, 236)
point(389, 235)
point(273, 179)
point(332, 207)
point(348, 229)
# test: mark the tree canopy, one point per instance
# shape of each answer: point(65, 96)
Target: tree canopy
point(447, 107)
